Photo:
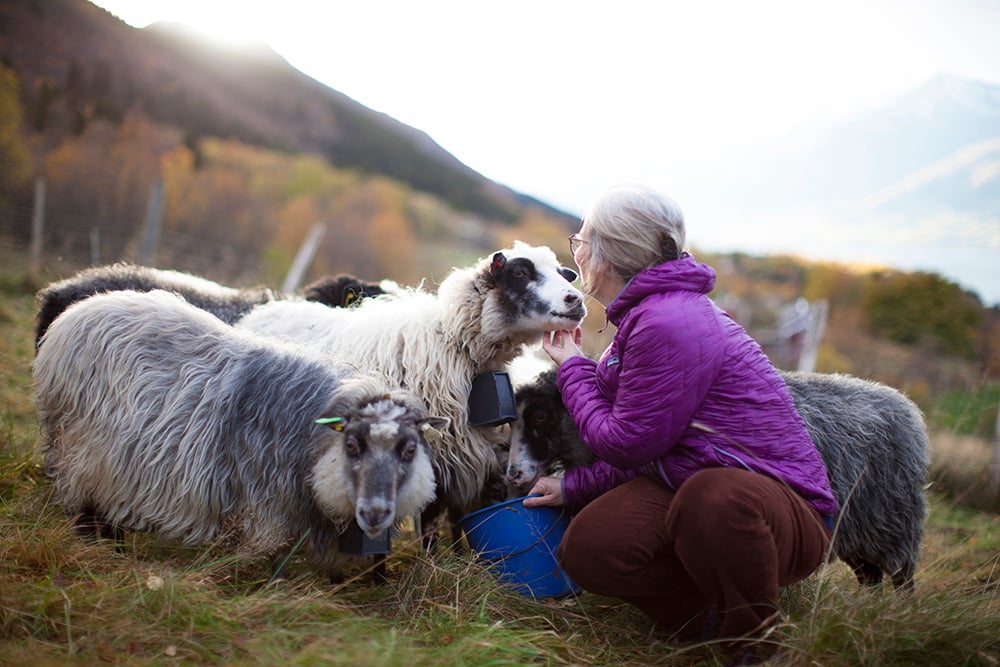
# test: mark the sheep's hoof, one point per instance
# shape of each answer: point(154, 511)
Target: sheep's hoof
point(903, 580)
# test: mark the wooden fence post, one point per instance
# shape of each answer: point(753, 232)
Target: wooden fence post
point(154, 215)
point(95, 246)
point(37, 227)
point(303, 258)
point(995, 462)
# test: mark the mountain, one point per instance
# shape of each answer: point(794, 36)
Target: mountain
point(68, 51)
point(929, 151)
point(914, 184)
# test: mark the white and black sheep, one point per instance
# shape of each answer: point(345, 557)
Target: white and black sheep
point(872, 438)
point(435, 344)
point(158, 417)
point(226, 303)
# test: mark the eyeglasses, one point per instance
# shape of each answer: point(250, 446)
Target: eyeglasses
point(574, 243)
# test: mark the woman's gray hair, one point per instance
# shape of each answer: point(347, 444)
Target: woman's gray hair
point(632, 228)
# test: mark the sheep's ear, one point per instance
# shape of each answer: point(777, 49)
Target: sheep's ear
point(568, 274)
point(440, 423)
point(496, 266)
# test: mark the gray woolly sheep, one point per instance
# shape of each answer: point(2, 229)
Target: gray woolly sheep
point(226, 303)
point(435, 344)
point(158, 417)
point(872, 439)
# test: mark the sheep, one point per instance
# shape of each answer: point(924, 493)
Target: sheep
point(345, 289)
point(435, 344)
point(226, 303)
point(158, 417)
point(873, 440)
point(871, 437)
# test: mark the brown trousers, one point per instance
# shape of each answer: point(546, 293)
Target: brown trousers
point(716, 552)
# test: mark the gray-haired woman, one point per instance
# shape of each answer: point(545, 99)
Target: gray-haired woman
point(708, 495)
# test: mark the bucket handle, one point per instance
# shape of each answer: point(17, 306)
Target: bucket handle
point(528, 548)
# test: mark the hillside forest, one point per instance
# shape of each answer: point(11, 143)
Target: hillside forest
point(237, 213)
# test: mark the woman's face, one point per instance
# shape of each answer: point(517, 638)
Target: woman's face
point(581, 256)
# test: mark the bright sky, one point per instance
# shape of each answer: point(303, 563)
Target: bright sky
point(562, 98)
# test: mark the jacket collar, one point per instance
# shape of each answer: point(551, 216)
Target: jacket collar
point(680, 275)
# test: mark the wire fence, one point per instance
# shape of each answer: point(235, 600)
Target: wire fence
point(70, 240)
point(63, 240)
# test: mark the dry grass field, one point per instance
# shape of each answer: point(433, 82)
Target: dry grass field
point(67, 601)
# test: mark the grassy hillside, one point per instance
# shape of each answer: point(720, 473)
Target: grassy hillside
point(66, 601)
point(80, 64)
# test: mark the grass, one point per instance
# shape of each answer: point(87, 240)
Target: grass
point(64, 600)
point(968, 412)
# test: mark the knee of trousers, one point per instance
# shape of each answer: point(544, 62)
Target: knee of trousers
point(577, 553)
point(596, 563)
point(711, 503)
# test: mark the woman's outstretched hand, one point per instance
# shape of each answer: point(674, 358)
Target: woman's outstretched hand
point(562, 344)
point(550, 490)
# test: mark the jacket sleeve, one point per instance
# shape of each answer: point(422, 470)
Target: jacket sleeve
point(670, 355)
point(581, 485)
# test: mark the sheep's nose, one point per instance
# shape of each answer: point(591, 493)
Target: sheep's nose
point(513, 475)
point(375, 516)
point(572, 299)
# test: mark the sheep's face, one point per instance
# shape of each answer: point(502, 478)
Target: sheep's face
point(544, 438)
point(341, 291)
point(527, 291)
point(377, 467)
point(528, 458)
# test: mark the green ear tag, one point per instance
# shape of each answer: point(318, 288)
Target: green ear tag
point(336, 423)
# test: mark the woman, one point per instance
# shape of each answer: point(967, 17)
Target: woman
point(708, 495)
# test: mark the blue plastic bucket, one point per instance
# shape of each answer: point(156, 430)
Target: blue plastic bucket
point(519, 543)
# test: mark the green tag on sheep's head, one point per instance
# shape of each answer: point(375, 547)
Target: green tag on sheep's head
point(336, 423)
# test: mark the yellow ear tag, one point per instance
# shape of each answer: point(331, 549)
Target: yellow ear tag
point(336, 423)
point(431, 434)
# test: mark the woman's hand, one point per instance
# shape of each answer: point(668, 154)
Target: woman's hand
point(550, 489)
point(562, 344)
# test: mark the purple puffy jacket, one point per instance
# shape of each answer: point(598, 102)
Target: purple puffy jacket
point(683, 387)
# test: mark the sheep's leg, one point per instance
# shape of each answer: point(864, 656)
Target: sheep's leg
point(429, 525)
point(379, 574)
point(868, 574)
point(454, 523)
point(91, 526)
point(279, 567)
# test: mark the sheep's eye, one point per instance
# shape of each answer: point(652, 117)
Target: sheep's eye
point(353, 448)
point(408, 452)
point(519, 273)
point(539, 418)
